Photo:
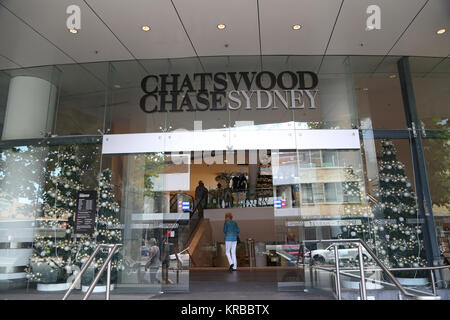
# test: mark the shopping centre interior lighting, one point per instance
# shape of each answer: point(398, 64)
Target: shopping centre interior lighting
point(221, 26)
point(441, 31)
point(145, 28)
point(297, 26)
point(74, 31)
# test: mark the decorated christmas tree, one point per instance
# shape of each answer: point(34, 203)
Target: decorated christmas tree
point(358, 216)
point(394, 233)
point(399, 228)
point(108, 231)
point(54, 250)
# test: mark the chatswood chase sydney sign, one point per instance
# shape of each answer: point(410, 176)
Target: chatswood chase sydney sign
point(229, 91)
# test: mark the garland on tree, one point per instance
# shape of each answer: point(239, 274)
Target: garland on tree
point(402, 239)
point(108, 231)
point(362, 229)
point(396, 241)
point(53, 249)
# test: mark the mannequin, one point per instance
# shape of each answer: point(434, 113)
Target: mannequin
point(235, 183)
point(220, 196)
point(242, 182)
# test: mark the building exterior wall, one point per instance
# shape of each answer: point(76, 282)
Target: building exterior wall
point(345, 98)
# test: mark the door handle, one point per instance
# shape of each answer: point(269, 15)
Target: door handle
point(413, 129)
point(422, 125)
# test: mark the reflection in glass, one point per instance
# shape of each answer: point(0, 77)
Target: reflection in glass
point(155, 230)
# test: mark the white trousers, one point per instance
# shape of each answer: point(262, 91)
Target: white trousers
point(230, 250)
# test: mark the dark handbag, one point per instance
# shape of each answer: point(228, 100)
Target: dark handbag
point(238, 240)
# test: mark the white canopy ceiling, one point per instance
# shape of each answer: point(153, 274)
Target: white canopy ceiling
point(34, 33)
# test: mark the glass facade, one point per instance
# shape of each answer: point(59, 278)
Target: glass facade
point(292, 158)
point(432, 94)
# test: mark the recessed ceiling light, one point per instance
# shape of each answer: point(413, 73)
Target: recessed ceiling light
point(297, 26)
point(441, 31)
point(145, 28)
point(392, 76)
point(73, 31)
point(221, 26)
point(117, 86)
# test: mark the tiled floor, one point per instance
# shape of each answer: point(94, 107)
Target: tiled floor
point(244, 285)
point(204, 284)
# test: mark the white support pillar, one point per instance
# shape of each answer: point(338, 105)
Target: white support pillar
point(30, 112)
point(30, 108)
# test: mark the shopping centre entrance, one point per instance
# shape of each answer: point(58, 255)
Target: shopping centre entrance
point(294, 156)
point(299, 185)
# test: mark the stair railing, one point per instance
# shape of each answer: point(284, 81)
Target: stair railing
point(113, 248)
point(363, 294)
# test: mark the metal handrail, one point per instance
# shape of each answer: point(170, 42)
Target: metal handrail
point(107, 263)
point(376, 280)
point(405, 269)
point(431, 269)
point(178, 257)
point(361, 269)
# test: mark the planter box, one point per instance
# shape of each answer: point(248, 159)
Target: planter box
point(53, 286)
point(413, 282)
point(98, 288)
point(49, 275)
point(355, 285)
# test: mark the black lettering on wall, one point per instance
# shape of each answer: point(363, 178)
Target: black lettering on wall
point(186, 102)
point(272, 79)
point(164, 101)
point(216, 98)
point(247, 80)
point(165, 82)
point(203, 77)
point(203, 101)
point(301, 80)
point(161, 92)
point(143, 103)
point(220, 78)
point(187, 83)
point(282, 84)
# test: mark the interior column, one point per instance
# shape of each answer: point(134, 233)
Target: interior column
point(29, 113)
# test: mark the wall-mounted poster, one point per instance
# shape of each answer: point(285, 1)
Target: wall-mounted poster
point(86, 210)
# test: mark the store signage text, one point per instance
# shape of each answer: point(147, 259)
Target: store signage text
point(323, 223)
point(229, 91)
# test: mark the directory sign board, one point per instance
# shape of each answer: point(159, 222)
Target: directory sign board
point(86, 210)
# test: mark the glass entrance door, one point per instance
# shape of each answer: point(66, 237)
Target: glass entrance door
point(150, 188)
point(431, 96)
point(346, 194)
point(322, 194)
